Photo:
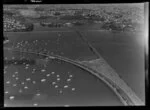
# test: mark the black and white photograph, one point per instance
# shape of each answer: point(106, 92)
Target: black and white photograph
point(64, 55)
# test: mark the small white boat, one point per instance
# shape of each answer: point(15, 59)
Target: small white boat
point(6, 41)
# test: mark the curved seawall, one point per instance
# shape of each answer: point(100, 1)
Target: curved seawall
point(128, 98)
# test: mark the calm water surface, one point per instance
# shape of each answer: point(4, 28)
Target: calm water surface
point(56, 84)
point(28, 83)
point(125, 53)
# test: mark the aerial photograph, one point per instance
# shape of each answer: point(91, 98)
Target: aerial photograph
point(64, 55)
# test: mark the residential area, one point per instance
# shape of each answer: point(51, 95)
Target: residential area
point(112, 19)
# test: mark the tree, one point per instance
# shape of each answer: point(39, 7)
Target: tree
point(39, 9)
point(57, 13)
point(29, 27)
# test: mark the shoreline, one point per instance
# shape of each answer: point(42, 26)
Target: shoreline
point(66, 30)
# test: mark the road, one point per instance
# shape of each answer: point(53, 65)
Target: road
point(102, 67)
point(104, 72)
